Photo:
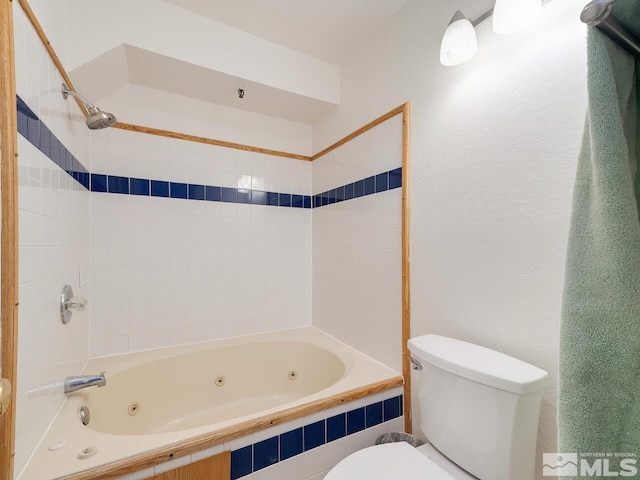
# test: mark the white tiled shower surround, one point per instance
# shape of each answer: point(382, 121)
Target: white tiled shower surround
point(357, 261)
point(167, 271)
point(162, 271)
point(54, 245)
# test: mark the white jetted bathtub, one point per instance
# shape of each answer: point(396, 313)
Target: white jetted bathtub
point(195, 396)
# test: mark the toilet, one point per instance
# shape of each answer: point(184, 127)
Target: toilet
point(478, 409)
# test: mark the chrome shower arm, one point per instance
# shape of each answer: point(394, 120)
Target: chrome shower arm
point(96, 118)
point(66, 92)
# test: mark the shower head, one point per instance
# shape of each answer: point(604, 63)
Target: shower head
point(97, 119)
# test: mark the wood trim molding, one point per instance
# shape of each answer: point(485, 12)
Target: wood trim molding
point(208, 141)
point(406, 265)
point(360, 131)
point(202, 442)
point(9, 235)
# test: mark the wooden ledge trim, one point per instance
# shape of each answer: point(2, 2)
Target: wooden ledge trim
point(406, 262)
point(361, 130)
point(208, 141)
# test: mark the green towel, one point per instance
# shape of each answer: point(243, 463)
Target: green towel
point(599, 398)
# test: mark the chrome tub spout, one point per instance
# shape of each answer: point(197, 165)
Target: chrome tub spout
point(72, 384)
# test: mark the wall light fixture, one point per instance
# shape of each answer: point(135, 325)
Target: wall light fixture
point(459, 42)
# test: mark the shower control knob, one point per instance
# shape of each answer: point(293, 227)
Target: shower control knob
point(70, 304)
point(77, 304)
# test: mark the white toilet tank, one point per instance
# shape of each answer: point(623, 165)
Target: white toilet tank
point(478, 407)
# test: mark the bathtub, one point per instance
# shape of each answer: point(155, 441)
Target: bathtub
point(162, 404)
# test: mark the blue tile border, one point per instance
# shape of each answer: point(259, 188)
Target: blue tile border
point(252, 458)
point(241, 462)
point(190, 191)
point(39, 135)
point(336, 427)
point(360, 188)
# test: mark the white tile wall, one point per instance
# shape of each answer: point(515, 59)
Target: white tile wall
point(170, 271)
point(357, 269)
point(138, 155)
point(54, 246)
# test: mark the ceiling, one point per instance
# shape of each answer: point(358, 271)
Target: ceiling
point(286, 54)
point(129, 65)
point(326, 29)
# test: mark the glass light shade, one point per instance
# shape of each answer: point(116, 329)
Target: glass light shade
point(512, 15)
point(459, 42)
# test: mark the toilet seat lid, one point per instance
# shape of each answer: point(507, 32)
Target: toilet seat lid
point(389, 460)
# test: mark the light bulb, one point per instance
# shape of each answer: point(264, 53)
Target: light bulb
point(512, 15)
point(459, 42)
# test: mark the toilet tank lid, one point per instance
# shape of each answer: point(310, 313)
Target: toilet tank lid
point(479, 364)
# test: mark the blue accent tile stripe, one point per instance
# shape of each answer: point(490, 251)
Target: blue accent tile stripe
point(392, 408)
point(178, 190)
point(98, 183)
point(213, 194)
point(196, 192)
point(252, 458)
point(284, 200)
point(241, 462)
point(229, 194)
point(314, 435)
point(244, 195)
point(258, 197)
point(139, 186)
point(336, 427)
point(39, 135)
point(367, 186)
point(118, 184)
point(265, 453)
point(291, 444)
point(373, 414)
point(355, 421)
point(210, 193)
point(159, 188)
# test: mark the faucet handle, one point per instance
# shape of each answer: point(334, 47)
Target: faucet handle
point(77, 304)
point(70, 304)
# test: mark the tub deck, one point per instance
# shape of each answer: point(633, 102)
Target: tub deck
point(121, 454)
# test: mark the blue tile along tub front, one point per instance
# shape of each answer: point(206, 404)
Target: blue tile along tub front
point(253, 458)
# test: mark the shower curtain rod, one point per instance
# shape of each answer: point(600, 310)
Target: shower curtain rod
point(598, 14)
